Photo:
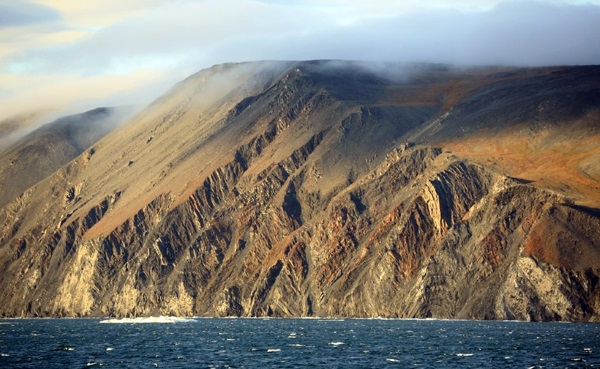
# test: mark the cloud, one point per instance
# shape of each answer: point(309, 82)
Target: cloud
point(512, 33)
point(20, 13)
point(63, 90)
point(91, 14)
point(174, 39)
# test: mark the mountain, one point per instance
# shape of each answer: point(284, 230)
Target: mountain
point(325, 188)
point(40, 153)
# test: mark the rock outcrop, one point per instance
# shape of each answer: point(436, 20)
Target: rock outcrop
point(311, 189)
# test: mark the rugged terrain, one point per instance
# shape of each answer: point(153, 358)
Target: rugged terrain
point(325, 189)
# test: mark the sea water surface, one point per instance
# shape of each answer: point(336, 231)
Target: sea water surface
point(295, 343)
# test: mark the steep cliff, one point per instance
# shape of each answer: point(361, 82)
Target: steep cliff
point(319, 189)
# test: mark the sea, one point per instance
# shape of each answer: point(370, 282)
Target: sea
point(167, 342)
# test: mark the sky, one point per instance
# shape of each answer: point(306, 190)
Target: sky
point(73, 55)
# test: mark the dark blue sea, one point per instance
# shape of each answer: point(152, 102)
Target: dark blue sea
point(295, 343)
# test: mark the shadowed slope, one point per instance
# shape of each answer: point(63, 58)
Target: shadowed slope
point(14, 127)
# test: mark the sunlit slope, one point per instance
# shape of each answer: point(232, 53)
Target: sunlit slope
point(544, 128)
point(565, 162)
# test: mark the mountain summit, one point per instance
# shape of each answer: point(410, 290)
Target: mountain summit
point(325, 188)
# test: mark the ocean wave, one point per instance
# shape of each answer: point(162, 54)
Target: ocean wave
point(155, 319)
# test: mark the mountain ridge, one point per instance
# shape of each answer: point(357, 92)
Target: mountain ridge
point(295, 189)
point(41, 152)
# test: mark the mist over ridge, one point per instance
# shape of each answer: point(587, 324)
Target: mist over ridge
point(75, 58)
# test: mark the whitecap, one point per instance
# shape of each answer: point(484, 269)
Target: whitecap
point(464, 355)
point(391, 360)
point(91, 364)
point(296, 345)
point(4, 355)
point(336, 343)
point(109, 349)
point(68, 349)
point(273, 350)
point(154, 319)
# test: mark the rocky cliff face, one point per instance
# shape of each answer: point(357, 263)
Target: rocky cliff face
point(312, 189)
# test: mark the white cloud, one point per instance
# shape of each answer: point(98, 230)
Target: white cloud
point(21, 13)
point(114, 39)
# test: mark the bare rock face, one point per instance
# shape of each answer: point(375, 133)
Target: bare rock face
point(310, 189)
